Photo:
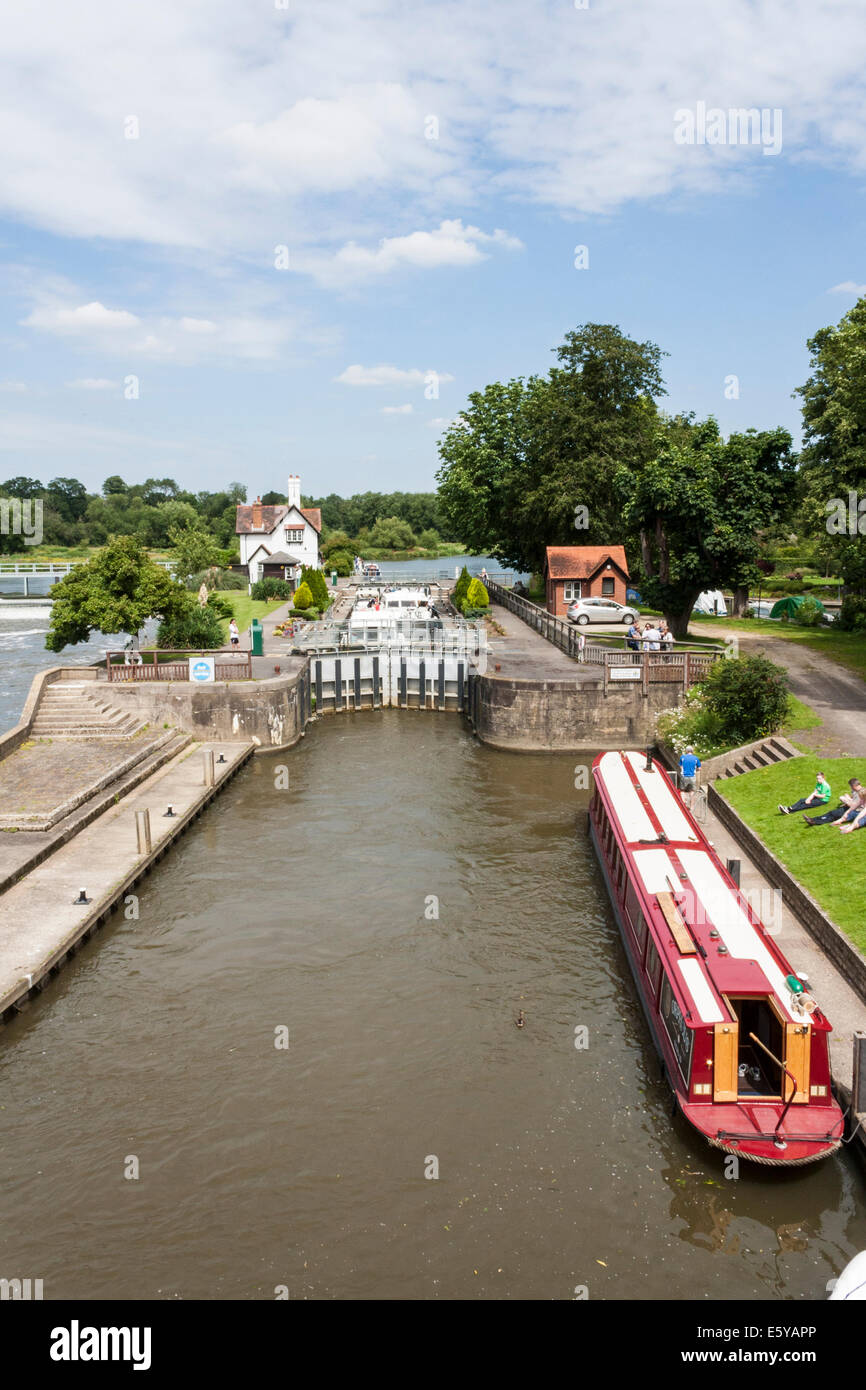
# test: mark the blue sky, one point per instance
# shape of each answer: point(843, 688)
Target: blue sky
point(157, 156)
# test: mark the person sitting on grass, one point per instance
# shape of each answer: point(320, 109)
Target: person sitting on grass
point(855, 819)
point(855, 797)
point(819, 797)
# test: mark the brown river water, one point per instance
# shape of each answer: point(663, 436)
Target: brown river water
point(310, 909)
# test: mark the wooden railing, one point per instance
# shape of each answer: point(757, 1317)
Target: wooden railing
point(166, 665)
point(680, 663)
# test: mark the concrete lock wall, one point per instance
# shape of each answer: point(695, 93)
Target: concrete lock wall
point(537, 715)
point(273, 713)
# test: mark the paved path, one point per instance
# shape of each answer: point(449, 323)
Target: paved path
point(525, 655)
point(837, 695)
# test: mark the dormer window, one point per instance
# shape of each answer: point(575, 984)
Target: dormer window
point(294, 535)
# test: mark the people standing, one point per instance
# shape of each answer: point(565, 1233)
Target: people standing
point(234, 632)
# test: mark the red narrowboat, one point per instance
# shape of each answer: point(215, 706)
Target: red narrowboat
point(743, 1044)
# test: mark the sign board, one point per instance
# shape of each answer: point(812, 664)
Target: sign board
point(624, 673)
point(202, 668)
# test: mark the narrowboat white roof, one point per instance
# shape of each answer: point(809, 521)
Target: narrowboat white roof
point(669, 856)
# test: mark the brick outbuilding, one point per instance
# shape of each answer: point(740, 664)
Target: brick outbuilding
point(583, 571)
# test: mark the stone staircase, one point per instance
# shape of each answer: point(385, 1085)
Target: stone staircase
point(76, 710)
point(761, 754)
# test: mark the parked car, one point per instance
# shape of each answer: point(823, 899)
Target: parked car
point(599, 610)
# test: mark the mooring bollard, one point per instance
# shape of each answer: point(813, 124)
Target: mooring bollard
point(209, 775)
point(142, 831)
point(858, 1093)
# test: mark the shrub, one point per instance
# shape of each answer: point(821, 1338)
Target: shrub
point(341, 561)
point(231, 580)
point(195, 626)
point(852, 614)
point(315, 582)
point(271, 588)
point(749, 696)
point(694, 725)
point(303, 597)
point(311, 614)
point(809, 613)
point(220, 606)
point(477, 596)
point(461, 589)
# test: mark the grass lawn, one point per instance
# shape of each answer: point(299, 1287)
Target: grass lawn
point(848, 648)
point(246, 608)
point(830, 865)
point(800, 717)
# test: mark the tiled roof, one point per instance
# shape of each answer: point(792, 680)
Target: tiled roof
point(581, 561)
point(313, 516)
point(271, 517)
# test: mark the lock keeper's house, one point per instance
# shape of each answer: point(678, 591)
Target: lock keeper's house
point(278, 541)
point(583, 571)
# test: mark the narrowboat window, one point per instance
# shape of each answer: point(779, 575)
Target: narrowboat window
point(677, 1029)
point(652, 964)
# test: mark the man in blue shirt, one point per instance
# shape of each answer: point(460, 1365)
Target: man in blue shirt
point(689, 765)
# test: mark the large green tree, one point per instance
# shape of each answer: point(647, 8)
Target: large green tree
point(193, 550)
point(698, 507)
point(531, 463)
point(116, 591)
point(833, 458)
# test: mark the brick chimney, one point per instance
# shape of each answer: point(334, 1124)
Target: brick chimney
point(294, 490)
point(257, 514)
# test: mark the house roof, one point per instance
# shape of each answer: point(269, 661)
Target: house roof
point(581, 561)
point(279, 557)
point(271, 517)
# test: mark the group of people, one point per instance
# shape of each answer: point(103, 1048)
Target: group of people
point(652, 638)
point(850, 814)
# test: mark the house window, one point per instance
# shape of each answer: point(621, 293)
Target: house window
point(607, 588)
point(571, 590)
point(294, 537)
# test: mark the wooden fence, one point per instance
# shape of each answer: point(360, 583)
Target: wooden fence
point(230, 664)
point(681, 663)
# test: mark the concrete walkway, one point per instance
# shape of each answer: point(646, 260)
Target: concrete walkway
point(39, 918)
point(525, 655)
point(837, 696)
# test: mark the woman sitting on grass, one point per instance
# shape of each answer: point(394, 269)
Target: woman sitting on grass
point(855, 819)
point(819, 797)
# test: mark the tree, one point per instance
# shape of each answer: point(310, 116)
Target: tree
point(833, 459)
point(315, 581)
point(390, 533)
point(429, 540)
point(114, 486)
point(303, 597)
point(461, 589)
point(697, 507)
point(477, 596)
point(193, 550)
point(748, 695)
point(68, 497)
point(341, 561)
point(191, 625)
point(116, 591)
point(529, 464)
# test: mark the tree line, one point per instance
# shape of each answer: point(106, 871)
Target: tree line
point(586, 455)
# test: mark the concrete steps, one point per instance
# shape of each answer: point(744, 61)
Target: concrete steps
point(73, 710)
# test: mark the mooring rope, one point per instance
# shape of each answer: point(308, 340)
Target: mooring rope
point(775, 1162)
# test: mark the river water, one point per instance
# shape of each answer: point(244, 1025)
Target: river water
point(314, 910)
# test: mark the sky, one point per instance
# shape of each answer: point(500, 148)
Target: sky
point(243, 240)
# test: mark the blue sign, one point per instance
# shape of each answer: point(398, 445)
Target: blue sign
point(201, 668)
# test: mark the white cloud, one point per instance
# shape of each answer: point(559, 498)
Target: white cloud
point(85, 319)
point(848, 287)
point(450, 244)
point(198, 325)
point(93, 383)
point(356, 375)
point(13, 387)
point(397, 409)
point(249, 126)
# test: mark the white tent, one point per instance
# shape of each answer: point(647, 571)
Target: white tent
point(712, 601)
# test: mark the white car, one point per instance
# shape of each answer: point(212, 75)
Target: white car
point(599, 610)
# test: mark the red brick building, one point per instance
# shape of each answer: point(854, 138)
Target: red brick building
point(583, 571)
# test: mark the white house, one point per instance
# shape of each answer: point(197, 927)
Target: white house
point(278, 540)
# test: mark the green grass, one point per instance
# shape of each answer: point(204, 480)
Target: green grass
point(830, 865)
point(800, 718)
point(848, 648)
point(246, 608)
